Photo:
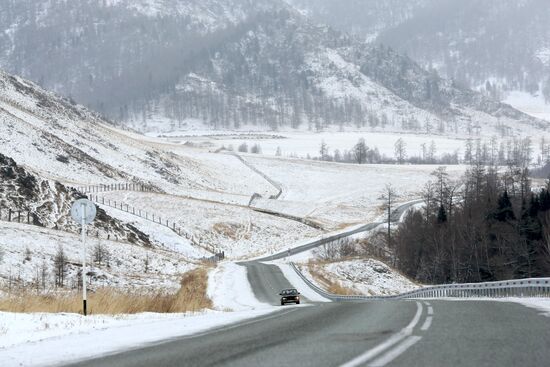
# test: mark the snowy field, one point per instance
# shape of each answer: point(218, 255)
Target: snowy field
point(302, 144)
point(239, 231)
point(342, 194)
point(125, 268)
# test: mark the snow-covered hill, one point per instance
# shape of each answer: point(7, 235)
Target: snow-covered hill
point(497, 46)
point(283, 72)
point(47, 204)
point(233, 64)
point(70, 144)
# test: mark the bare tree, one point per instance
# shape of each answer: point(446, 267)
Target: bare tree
point(256, 149)
point(323, 150)
point(442, 182)
point(43, 273)
point(360, 151)
point(60, 267)
point(400, 150)
point(101, 254)
point(146, 263)
point(389, 195)
point(243, 148)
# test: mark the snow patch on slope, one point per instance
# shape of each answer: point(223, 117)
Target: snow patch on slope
point(368, 277)
point(533, 105)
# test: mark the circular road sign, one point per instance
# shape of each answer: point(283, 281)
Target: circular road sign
point(83, 208)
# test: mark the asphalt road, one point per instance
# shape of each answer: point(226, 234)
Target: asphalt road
point(383, 333)
point(376, 333)
point(395, 217)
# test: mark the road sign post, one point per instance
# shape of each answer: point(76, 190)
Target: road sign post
point(83, 211)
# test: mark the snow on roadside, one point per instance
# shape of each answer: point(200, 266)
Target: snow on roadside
point(298, 282)
point(368, 277)
point(49, 339)
point(540, 304)
point(229, 289)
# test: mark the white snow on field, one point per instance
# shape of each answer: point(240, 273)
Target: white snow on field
point(301, 144)
point(126, 267)
point(47, 339)
point(342, 194)
point(540, 304)
point(160, 234)
point(533, 105)
point(364, 276)
point(229, 289)
point(239, 231)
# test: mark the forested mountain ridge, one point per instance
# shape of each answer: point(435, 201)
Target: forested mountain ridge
point(111, 53)
point(167, 65)
point(283, 71)
point(493, 45)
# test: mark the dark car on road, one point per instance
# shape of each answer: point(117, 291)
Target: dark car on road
point(289, 296)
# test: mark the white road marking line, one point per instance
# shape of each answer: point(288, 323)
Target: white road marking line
point(396, 352)
point(430, 310)
point(392, 340)
point(427, 323)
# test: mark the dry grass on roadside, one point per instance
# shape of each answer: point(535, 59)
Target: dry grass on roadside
point(190, 297)
point(329, 285)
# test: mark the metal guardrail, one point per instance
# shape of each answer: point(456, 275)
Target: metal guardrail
point(532, 287)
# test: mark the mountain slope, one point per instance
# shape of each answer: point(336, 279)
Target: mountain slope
point(50, 203)
point(283, 71)
point(503, 42)
point(105, 54)
point(70, 144)
point(165, 65)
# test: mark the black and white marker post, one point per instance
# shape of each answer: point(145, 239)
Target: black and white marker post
point(83, 211)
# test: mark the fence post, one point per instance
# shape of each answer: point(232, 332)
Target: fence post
point(28, 217)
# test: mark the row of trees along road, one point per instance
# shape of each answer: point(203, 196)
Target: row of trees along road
point(488, 226)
